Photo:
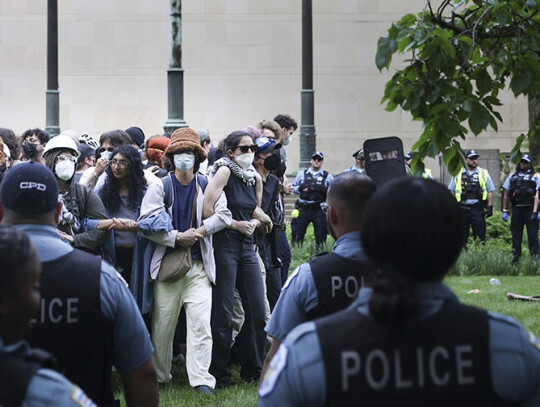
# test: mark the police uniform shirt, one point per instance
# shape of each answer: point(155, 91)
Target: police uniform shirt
point(47, 387)
point(296, 375)
point(132, 346)
point(299, 294)
point(356, 169)
point(300, 178)
point(535, 178)
point(489, 184)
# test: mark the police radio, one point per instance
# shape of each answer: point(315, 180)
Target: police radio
point(384, 159)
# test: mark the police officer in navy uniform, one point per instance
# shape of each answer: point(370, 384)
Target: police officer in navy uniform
point(521, 189)
point(87, 318)
point(329, 282)
point(26, 381)
point(407, 340)
point(473, 189)
point(311, 185)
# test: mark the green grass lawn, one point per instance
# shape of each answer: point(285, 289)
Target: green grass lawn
point(473, 271)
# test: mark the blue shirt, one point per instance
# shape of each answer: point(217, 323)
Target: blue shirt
point(299, 294)
point(489, 185)
point(131, 342)
point(296, 376)
point(47, 387)
point(300, 178)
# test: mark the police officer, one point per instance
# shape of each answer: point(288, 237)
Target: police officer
point(87, 317)
point(521, 189)
point(408, 160)
point(25, 382)
point(473, 189)
point(311, 185)
point(328, 282)
point(360, 162)
point(407, 340)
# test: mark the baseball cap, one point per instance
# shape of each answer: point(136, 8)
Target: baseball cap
point(29, 188)
point(526, 157)
point(472, 153)
point(317, 154)
point(85, 150)
point(407, 156)
point(359, 153)
point(266, 145)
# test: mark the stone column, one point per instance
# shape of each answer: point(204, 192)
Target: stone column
point(52, 94)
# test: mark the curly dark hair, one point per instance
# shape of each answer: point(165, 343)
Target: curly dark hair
point(16, 251)
point(12, 141)
point(136, 181)
point(41, 134)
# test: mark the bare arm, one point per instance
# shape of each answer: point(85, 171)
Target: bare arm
point(490, 199)
point(213, 190)
point(141, 387)
point(536, 202)
point(507, 196)
point(258, 189)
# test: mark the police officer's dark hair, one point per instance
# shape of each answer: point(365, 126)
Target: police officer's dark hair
point(231, 141)
point(16, 251)
point(351, 191)
point(42, 135)
point(286, 121)
point(413, 231)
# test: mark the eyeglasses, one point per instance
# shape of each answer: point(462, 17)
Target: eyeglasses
point(66, 158)
point(121, 163)
point(317, 158)
point(33, 140)
point(324, 207)
point(245, 149)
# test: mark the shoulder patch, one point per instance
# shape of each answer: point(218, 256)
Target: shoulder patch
point(291, 277)
point(80, 398)
point(278, 363)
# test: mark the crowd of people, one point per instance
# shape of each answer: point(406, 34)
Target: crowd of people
point(116, 251)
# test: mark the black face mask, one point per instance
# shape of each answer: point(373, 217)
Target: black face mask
point(272, 162)
point(30, 150)
point(3, 168)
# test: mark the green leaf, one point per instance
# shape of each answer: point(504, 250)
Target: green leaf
point(520, 82)
point(468, 104)
point(479, 118)
point(483, 81)
point(407, 20)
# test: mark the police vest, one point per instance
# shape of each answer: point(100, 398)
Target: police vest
point(16, 372)
point(522, 188)
point(443, 360)
point(472, 186)
point(316, 188)
point(337, 280)
point(70, 323)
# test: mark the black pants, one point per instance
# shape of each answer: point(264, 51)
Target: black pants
point(473, 216)
point(521, 216)
point(124, 260)
point(309, 213)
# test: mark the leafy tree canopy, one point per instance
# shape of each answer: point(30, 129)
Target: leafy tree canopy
point(462, 54)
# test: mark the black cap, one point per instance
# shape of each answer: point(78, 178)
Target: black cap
point(359, 153)
point(317, 154)
point(526, 157)
point(472, 153)
point(137, 135)
point(29, 188)
point(85, 150)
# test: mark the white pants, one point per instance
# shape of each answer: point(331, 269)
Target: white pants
point(194, 292)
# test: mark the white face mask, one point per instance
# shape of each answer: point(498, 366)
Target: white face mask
point(106, 154)
point(245, 160)
point(64, 170)
point(184, 161)
point(287, 141)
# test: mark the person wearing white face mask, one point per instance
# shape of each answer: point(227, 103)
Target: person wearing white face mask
point(236, 261)
point(79, 203)
point(173, 209)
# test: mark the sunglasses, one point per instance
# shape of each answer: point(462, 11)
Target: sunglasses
point(317, 158)
point(245, 149)
point(101, 149)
